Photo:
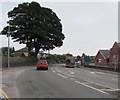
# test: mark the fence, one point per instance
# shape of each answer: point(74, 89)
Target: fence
point(107, 68)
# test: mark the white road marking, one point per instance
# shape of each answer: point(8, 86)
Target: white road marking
point(117, 89)
point(83, 83)
point(106, 73)
point(91, 87)
point(110, 89)
point(71, 72)
point(115, 79)
point(58, 70)
point(72, 78)
point(92, 72)
point(62, 75)
point(98, 84)
point(53, 70)
point(98, 72)
point(70, 75)
point(82, 69)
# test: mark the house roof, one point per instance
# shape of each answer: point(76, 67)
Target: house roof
point(105, 53)
point(25, 49)
point(118, 45)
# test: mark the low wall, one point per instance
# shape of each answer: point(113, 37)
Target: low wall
point(0, 60)
point(103, 68)
point(15, 61)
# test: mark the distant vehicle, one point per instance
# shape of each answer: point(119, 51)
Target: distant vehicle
point(42, 64)
point(78, 64)
point(70, 62)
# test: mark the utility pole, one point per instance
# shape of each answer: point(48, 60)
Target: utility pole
point(8, 46)
point(9, 42)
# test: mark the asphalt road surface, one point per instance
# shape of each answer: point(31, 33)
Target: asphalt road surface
point(61, 82)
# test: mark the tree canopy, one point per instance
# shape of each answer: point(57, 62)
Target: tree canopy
point(37, 27)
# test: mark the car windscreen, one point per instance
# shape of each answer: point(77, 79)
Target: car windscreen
point(41, 62)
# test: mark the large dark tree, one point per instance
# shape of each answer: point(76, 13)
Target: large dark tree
point(37, 27)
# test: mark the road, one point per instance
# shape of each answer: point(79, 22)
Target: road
point(61, 82)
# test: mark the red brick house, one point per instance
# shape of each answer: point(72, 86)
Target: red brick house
point(102, 58)
point(115, 55)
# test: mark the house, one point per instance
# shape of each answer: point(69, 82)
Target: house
point(41, 54)
point(102, 58)
point(22, 52)
point(115, 55)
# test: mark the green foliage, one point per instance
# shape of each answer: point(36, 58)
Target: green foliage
point(11, 55)
point(68, 54)
point(84, 55)
point(37, 27)
point(92, 58)
point(5, 50)
point(18, 54)
point(78, 58)
point(57, 58)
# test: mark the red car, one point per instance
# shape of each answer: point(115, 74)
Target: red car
point(42, 64)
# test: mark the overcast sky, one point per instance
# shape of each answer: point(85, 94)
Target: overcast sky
point(88, 26)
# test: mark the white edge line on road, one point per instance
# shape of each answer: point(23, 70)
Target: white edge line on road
point(99, 84)
point(98, 72)
point(110, 89)
point(106, 73)
point(79, 82)
point(91, 87)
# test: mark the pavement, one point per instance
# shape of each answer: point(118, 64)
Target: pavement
point(9, 81)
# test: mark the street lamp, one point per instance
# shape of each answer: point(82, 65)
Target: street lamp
point(9, 42)
point(8, 47)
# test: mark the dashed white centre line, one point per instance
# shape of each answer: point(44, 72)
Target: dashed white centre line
point(92, 72)
point(58, 70)
point(71, 72)
point(53, 70)
point(70, 75)
point(85, 84)
point(72, 78)
point(62, 75)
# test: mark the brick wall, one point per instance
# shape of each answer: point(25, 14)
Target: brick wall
point(103, 61)
point(115, 56)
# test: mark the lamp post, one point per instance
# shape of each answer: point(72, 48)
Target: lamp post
point(8, 47)
point(9, 42)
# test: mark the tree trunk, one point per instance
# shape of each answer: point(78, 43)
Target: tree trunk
point(29, 50)
point(37, 48)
